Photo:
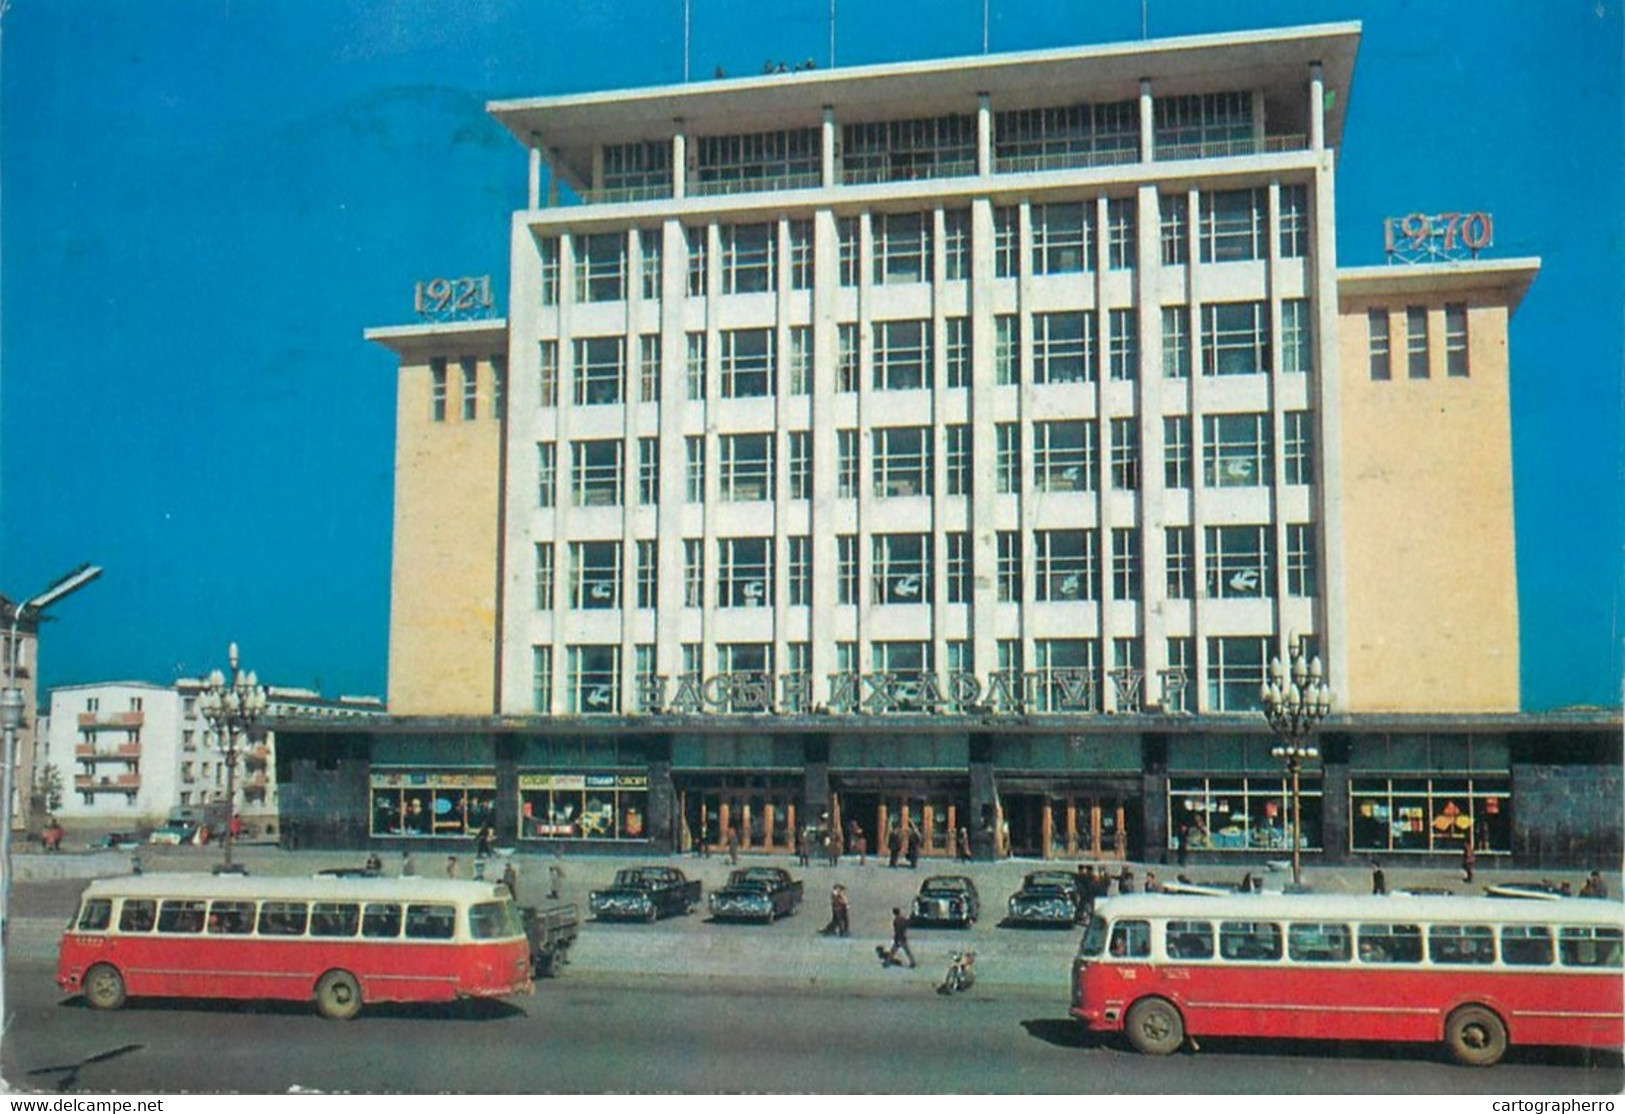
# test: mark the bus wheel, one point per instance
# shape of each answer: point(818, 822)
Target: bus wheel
point(1476, 1037)
point(1154, 1027)
point(338, 996)
point(104, 987)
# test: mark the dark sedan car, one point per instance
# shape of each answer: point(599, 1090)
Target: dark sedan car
point(946, 899)
point(1048, 897)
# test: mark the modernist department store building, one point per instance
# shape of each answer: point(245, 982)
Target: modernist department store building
point(959, 440)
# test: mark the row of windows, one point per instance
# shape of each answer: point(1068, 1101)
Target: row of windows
point(1379, 338)
point(1452, 945)
point(375, 920)
point(469, 391)
point(1231, 226)
point(1237, 450)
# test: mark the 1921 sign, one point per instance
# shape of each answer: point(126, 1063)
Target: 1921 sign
point(443, 299)
point(1422, 236)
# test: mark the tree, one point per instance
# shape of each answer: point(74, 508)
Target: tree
point(48, 788)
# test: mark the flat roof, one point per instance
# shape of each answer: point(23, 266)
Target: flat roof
point(440, 337)
point(1514, 276)
point(1273, 60)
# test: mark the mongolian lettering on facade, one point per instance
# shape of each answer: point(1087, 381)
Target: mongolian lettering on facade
point(883, 693)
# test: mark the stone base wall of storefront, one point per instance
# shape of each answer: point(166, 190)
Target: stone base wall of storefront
point(1568, 816)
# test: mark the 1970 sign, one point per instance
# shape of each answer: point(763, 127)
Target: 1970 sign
point(1422, 236)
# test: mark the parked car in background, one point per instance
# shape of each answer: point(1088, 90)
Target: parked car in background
point(174, 833)
point(118, 841)
point(946, 899)
point(1046, 897)
point(645, 893)
point(756, 893)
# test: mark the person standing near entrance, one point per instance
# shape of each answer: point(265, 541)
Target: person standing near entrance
point(1469, 858)
point(914, 840)
point(733, 846)
point(894, 843)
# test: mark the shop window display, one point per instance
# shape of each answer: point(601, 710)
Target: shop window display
point(1430, 814)
point(429, 804)
point(1248, 813)
point(583, 806)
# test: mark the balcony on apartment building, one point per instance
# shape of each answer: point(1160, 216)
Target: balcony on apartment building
point(90, 752)
point(111, 721)
point(119, 783)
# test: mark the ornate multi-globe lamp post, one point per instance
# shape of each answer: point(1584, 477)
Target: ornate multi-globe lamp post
point(231, 705)
point(1295, 700)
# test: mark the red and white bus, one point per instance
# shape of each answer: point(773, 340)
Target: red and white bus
point(339, 942)
point(1476, 973)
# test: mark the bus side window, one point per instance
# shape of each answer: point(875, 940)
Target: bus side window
point(1390, 943)
point(283, 918)
point(1318, 943)
point(431, 922)
point(1582, 946)
point(1526, 945)
point(1249, 940)
point(381, 920)
point(231, 918)
point(96, 915)
point(180, 916)
point(1189, 940)
point(137, 914)
point(1461, 944)
point(334, 918)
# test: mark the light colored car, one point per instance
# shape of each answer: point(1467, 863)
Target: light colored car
point(174, 834)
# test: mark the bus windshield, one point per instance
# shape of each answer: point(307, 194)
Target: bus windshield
point(1094, 937)
point(492, 920)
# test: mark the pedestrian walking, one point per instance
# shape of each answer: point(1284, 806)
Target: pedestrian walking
point(1184, 840)
point(802, 858)
point(899, 940)
point(510, 879)
point(555, 874)
point(840, 913)
point(1469, 858)
point(482, 842)
point(1594, 886)
point(962, 844)
point(451, 866)
point(408, 870)
point(913, 850)
point(733, 846)
point(836, 846)
point(1379, 880)
point(857, 843)
point(894, 844)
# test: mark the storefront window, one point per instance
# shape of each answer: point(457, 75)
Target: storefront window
point(429, 803)
point(1247, 813)
point(1430, 814)
point(584, 806)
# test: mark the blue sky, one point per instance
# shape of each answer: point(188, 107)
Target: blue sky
point(204, 203)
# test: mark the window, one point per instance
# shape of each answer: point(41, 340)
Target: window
point(471, 389)
point(1006, 238)
point(342, 918)
point(1294, 221)
point(846, 235)
point(599, 370)
point(437, 388)
point(1176, 342)
point(1179, 562)
point(846, 463)
point(1065, 347)
point(907, 659)
point(958, 354)
point(544, 576)
point(1121, 234)
point(800, 464)
point(1589, 946)
point(744, 572)
point(1455, 341)
point(800, 570)
point(1235, 450)
point(181, 916)
point(1176, 678)
point(846, 568)
point(902, 247)
point(782, 159)
point(1431, 813)
point(749, 258)
point(1240, 562)
point(1067, 668)
point(1007, 458)
point(801, 360)
point(747, 363)
point(1299, 447)
point(694, 366)
point(1319, 943)
point(1189, 940)
point(746, 467)
point(601, 267)
point(499, 386)
point(1009, 568)
point(1416, 342)
point(1525, 945)
point(1125, 344)
point(904, 150)
point(902, 355)
point(1249, 940)
point(595, 575)
point(1461, 944)
point(1064, 456)
point(636, 171)
point(902, 461)
point(1125, 454)
point(958, 459)
point(846, 358)
point(1204, 125)
point(902, 568)
point(1066, 564)
point(547, 378)
point(1389, 943)
point(595, 477)
point(1176, 451)
point(749, 661)
point(649, 265)
point(549, 250)
point(280, 918)
point(1297, 337)
point(694, 469)
point(801, 255)
point(693, 572)
point(697, 240)
point(648, 573)
point(1377, 342)
point(956, 244)
point(961, 656)
point(1235, 673)
point(541, 679)
point(1006, 349)
point(1068, 136)
point(1063, 238)
point(546, 474)
point(1235, 338)
point(1232, 226)
point(960, 566)
point(649, 367)
point(594, 680)
point(1011, 662)
point(1302, 561)
point(1175, 209)
point(1126, 575)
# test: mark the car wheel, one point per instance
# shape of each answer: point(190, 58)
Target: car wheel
point(1154, 1027)
point(338, 996)
point(1476, 1037)
point(650, 915)
point(104, 987)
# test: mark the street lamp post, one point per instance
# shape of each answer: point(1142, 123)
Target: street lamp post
point(231, 706)
point(1295, 700)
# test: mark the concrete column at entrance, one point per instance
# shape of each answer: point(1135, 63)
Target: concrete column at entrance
point(664, 826)
point(1154, 815)
point(815, 787)
point(1334, 805)
point(983, 820)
